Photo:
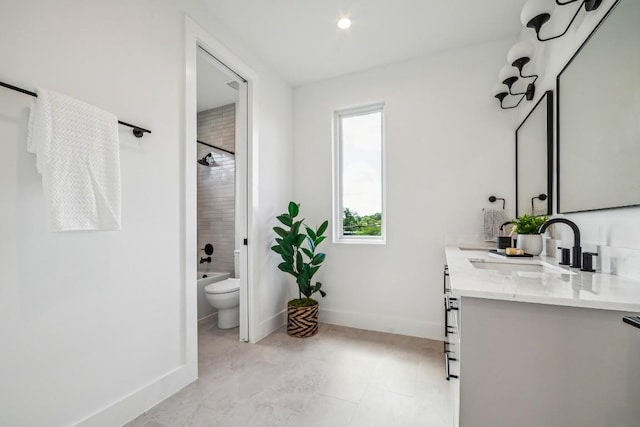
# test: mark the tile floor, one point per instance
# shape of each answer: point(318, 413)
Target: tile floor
point(340, 377)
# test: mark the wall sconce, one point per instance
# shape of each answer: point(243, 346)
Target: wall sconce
point(508, 75)
point(500, 91)
point(536, 13)
point(519, 56)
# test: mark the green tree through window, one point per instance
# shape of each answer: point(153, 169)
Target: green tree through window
point(356, 225)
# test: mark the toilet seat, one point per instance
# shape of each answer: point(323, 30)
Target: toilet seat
point(223, 287)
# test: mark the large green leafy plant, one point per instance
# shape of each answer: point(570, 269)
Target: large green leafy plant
point(529, 224)
point(296, 244)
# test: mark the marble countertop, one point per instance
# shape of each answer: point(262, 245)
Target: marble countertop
point(556, 285)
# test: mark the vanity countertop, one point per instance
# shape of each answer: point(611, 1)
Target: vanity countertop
point(581, 289)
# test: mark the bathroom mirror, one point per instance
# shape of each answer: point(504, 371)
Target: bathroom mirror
point(599, 117)
point(534, 159)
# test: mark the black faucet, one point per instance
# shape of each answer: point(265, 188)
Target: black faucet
point(203, 260)
point(506, 223)
point(577, 250)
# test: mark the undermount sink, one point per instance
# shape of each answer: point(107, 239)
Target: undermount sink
point(508, 267)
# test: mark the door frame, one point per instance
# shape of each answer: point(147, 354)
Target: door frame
point(197, 37)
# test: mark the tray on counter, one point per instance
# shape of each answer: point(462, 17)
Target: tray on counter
point(525, 255)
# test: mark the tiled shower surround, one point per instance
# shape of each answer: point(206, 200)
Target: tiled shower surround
point(216, 188)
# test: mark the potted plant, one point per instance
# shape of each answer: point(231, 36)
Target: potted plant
point(296, 244)
point(529, 239)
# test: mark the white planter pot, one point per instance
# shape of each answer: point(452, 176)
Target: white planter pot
point(530, 243)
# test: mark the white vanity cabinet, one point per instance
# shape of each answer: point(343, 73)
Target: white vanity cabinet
point(542, 350)
point(452, 344)
point(532, 365)
point(453, 356)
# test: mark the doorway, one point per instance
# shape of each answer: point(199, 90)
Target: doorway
point(217, 91)
point(221, 205)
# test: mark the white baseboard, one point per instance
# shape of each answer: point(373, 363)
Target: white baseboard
point(129, 407)
point(215, 313)
point(381, 323)
point(269, 325)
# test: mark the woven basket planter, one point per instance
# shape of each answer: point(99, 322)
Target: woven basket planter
point(302, 322)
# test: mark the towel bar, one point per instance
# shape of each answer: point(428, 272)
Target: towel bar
point(494, 198)
point(138, 132)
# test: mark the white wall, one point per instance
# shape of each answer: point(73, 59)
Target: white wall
point(92, 323)
point(448, 148)
point(612, 233)
point(274, 152)
point(216, 189)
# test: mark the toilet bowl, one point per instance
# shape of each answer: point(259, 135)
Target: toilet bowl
point(225, 297)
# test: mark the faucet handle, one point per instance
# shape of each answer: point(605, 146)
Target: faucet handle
point(566, 256)
point(587, 261)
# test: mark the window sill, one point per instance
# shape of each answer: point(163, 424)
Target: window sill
point(361, 241)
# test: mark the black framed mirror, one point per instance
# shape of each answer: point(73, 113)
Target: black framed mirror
point(534, 159)
point(598, 141)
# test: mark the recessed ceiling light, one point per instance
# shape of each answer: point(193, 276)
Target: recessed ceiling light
point(344, 23)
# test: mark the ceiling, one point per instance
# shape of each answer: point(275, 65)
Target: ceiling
point(300, 38)
point(213, 90)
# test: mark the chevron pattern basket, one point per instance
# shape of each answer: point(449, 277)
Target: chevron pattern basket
point(302, 322)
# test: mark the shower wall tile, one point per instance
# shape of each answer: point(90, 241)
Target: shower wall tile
point(216, 187)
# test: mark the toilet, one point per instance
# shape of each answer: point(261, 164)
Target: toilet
point(225, 297)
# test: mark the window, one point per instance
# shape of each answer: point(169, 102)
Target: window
point(359, 175)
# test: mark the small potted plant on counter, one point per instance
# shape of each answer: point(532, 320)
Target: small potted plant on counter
point(296, 244)
point(529, 238)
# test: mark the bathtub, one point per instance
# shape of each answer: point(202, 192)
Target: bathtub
point(212, 277)
point(204, 309)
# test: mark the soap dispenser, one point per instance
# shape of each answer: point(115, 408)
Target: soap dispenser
point(504, 240)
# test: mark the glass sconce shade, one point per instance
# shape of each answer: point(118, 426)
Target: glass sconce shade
point(508, 75)
point(499, 91)
point(520, 55)
point(535, 13)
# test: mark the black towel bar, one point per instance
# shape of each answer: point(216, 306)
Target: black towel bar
point(137, 130)
point(632, 320)
point(494, 198)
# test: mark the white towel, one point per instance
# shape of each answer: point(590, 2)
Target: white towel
point(76, 145)
point(493, 219)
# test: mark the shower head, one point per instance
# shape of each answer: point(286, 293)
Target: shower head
point(208, 160)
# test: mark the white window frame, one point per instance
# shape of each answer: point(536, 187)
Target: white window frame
point(338, 207)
